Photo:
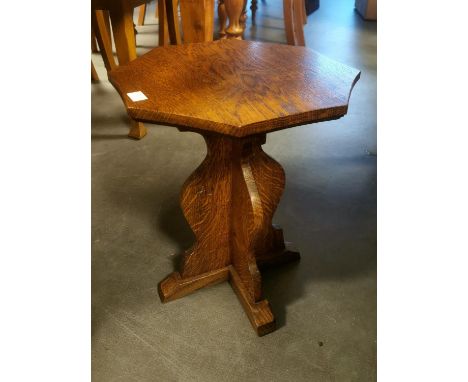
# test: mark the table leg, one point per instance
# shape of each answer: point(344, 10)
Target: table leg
point(222, 17)
point(253, 8)
point(197, 20)
point(121, 15)
point(229, 202)
point(236, 14)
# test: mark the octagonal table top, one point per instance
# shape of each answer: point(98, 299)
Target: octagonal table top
point(235, 87)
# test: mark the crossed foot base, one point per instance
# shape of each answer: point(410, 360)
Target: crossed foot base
point(229, 202)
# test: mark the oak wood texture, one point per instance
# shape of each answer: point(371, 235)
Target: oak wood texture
point(168, 26)
point(229, 202)
point(197, 20)
point(235, 87)
point(233, 92)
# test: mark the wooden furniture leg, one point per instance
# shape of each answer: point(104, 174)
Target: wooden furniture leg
point(94, 75)
point(106, 16)
point(229, 202)
point(294, 21)
point(243, 19)
point(304, 13)
point(288, 21)
point(253, 8)
point(235, 10)
point(121, 15)
point(172, 17)
point(222, 18)
point(141, 14)
point(94, 48)
point(299, 22)
point(98, 23)
point(197, 20)
point(163, 29)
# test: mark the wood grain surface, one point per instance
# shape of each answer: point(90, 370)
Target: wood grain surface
point(234, 87)
point(233, 92)
point(229, 202)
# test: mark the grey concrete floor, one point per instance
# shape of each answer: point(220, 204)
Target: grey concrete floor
point(325, 305)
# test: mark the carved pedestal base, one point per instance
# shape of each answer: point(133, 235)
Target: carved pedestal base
point(229, 203)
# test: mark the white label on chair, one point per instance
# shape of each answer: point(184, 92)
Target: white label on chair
point(137, 96)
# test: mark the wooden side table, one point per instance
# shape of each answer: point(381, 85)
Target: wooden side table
point(233, 93)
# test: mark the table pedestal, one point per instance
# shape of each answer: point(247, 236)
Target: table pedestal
point(229, 202)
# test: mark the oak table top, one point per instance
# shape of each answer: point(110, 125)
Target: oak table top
point(234, 92)
point(235, 87)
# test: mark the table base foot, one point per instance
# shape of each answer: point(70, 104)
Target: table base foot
point(229, 202)
point(137, 131)
point(174, 286)
point(259, 313)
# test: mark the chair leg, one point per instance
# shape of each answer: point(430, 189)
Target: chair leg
point(293, 22)
point(172, 16)
point(163, 27)
point(103, 38)
point(304, 13)
point(236, 14)
point(288, 21)
point(299, 22)
point(141, 14)
point(94, 75)
point(197, 20)
point(222, 18)
point(94, 47)
point(253, 8)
